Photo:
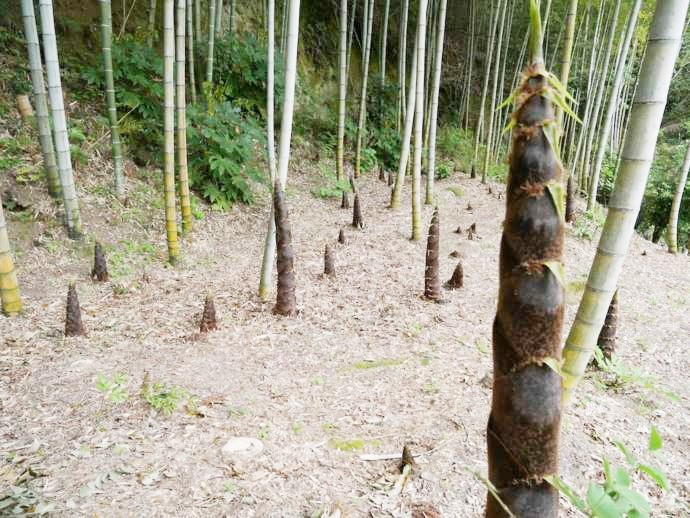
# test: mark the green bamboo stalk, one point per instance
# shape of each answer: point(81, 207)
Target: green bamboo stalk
point(342, 91)
point(384, 44)
point(396, 195)
point(211, 42)
point(40, 101)
point(106, 44)
point(613, 102)
point(190, 46)
point(418, 123)
point(270, 242)
point(361, 126)
point(151, 29)
point(438, 61)
point(169, 129)
point(57, 108)
point(219, 18)
point(672, 236)
point(655, 75)
point(402, 65)
point(9, 286)
point(181, 104)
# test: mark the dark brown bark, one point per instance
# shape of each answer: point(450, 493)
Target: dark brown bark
point(524, 424)
point(458, 230)
point(456, 279)
point(489, 190)
point(342, 239)
point(569, 201)
point(432, 285)
point(73, 323)
point(328, 262)
point(473, 172)
point(357, 213)
point(607, 335)
point(390, 179)
point(382, 174)
point(345, 201)
point(469, 206)
point(407, 458)
point(471, 231)
point(99, 272)
point(209, 321)
point(286, 303)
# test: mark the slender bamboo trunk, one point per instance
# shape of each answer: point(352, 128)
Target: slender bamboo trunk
point(599, 98)
point(656, 71)
point(566, 58)
point(485, 89)
point(40, 101)
point(524, 424)
point(169, 129)
point(418, 123)
point(470, 66)
point(292, 40)
point(487, 155)
point(351, 35)
point(402, 65)
point(181, 104)
point(342, 91)
point(613, 102)
point(151, 30)
point(190, 53)
point(9, 286)
point(384, 44)
point(197, 22)
point(106, 43)
point(270, 243)
point(211, 42)
point(396, 196)
point(361, 127)
point(219, 18)
point(672, 236)
point(233, 17)
point(57, 108)
point(498, 123)
point(431, 171)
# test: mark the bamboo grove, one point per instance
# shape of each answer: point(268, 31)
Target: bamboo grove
point(562, 102)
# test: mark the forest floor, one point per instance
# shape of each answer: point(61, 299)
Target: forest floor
point(367, 367)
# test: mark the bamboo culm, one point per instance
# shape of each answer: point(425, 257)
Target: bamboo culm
point(655, 75)
point(57, 108)
point(181, 105)
point(169, 129)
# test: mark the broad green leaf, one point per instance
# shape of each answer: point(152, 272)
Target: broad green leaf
point(602, 505)
point(655, 442)
point(655, 473)
point(635, 499)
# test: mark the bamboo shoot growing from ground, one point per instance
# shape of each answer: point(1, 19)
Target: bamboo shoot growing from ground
point(169, 129)
point(106, 44)
point(655, 75)
point(438, 66)
point(181, 105)
point(286, 303)
point(432, 284)
point(40, 101)
point(607, 335)
point(57, 108)
point(10, 299)
point(361, 126)
point(672, 236)
point(524, 424)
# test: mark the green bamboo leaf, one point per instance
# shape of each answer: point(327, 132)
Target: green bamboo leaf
point(656, 475)
point(655, 442)
point(511, 124)
point(557, 193)
point(629, 457)
point(602, 505)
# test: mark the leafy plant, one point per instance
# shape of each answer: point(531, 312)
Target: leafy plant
point(223, 145)
point(334, 188)
point(22, 501)
point(165, 398)
point(588, 224)
point(113, 388)
point(444, 169)
point(616, 497)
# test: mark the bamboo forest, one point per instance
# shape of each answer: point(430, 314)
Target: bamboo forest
point(345, 258)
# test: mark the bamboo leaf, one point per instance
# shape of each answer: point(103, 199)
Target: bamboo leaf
point(656, 475)
point(655, 442)
point(567, 491)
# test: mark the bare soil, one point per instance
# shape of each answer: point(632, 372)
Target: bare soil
point(368, 365)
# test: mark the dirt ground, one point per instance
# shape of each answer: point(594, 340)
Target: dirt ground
point(367, 367)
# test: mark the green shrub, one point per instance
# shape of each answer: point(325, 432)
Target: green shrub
point(222, 147)
point(444, 169)
point(457, 145)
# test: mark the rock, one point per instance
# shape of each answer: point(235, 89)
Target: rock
point(242, 448)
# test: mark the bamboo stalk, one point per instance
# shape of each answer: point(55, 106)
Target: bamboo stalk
point(169, 129)
point(9, 287)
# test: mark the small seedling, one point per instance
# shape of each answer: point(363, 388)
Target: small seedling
point(113, 388)
point(163, 397)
